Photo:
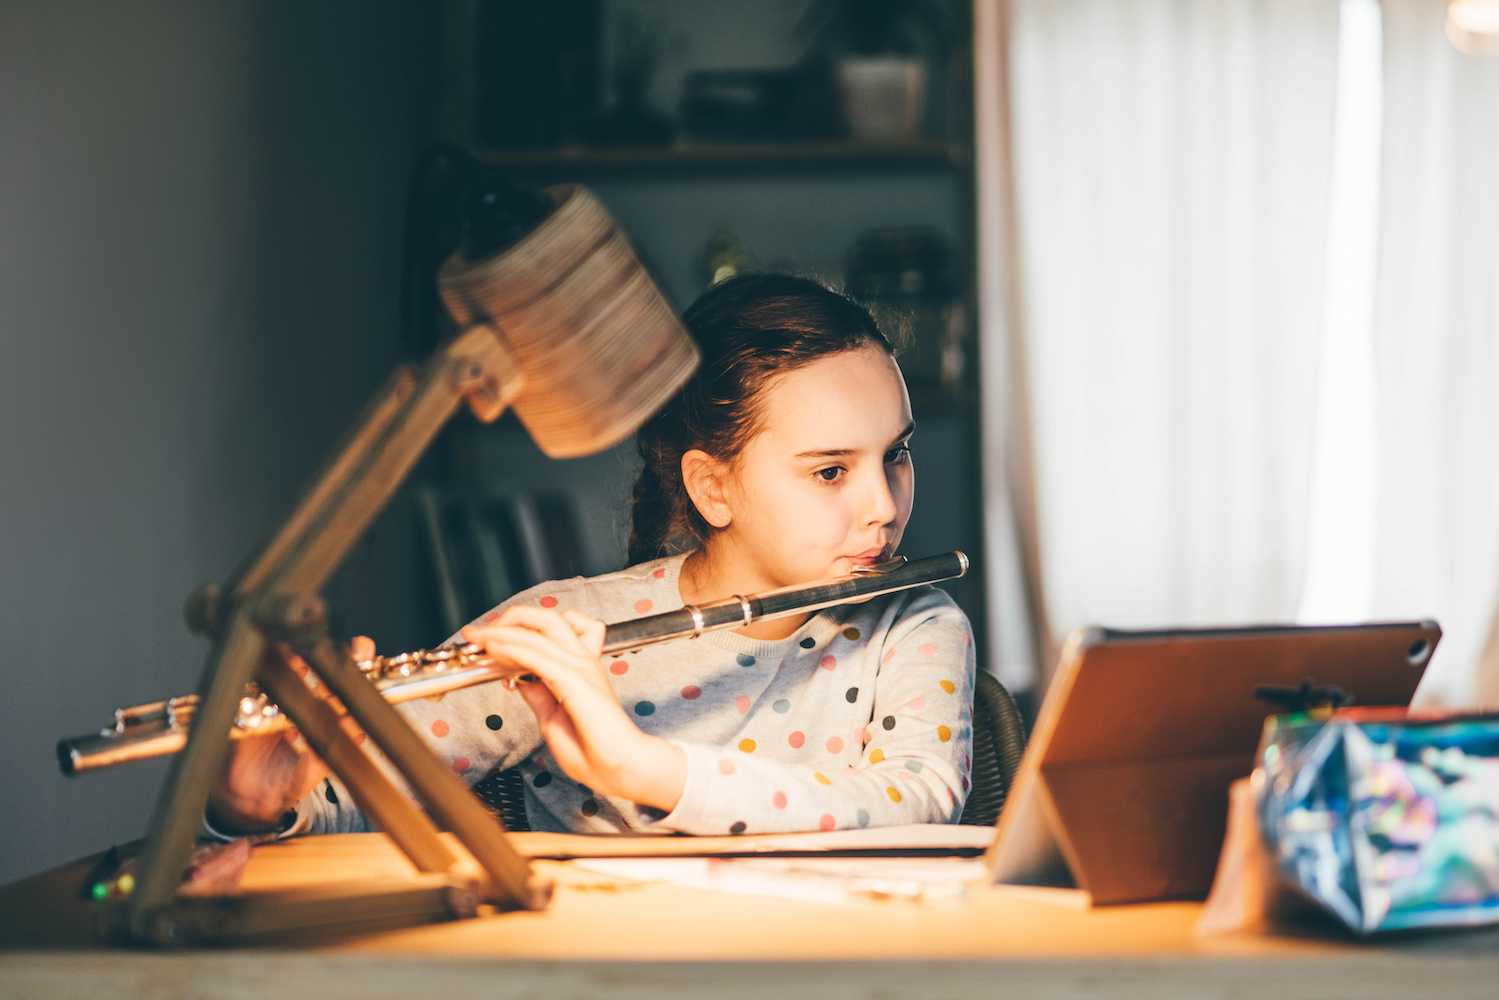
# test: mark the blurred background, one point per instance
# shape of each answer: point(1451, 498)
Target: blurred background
point(1201, 298)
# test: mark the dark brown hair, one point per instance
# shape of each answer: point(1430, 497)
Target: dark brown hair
point(749, 329)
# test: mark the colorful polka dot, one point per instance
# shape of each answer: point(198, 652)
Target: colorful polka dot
point(851, 634)
point(944, 734)
point(643, 605)
point(893, 792)
point(866, 735)
point(439, 729)
point(808, 642)
point(947, 686)
point(834, 744)
point(927, 649)
point(542, 780)
point(329, 793)
point(645, 708)
point(692, 692)
point(827, 822)
point(742, 703)
point(862, 817)
point(851, 695)
point(781, 706)
point(745, 660)
point(619, 668)
point(738, 828)
point(914, 766)
point(797, 739)
point(888, 722)
point(725, 766)
point(747, 745)
point(660, 573)
point(590, 807)
point(916, 704)
point(778, 799)
point(548, 601)
point(494, 722)
point(460, 764)
point(828, 662)
point(876, 755)
point(889, 655)
point(822, 779)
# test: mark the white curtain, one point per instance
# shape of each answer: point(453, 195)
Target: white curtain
point(1171, 171)
point(1240, 285)
point(1436, 349)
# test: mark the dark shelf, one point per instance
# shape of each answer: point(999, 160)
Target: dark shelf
point(713, 157)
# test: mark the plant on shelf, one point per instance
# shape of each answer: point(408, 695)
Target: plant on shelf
point(880, 52)
point(641, 41)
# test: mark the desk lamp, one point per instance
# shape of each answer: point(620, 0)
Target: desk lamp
point(556, 319)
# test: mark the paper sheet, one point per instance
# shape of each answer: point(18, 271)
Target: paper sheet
point(926, 838)
point(827, 880)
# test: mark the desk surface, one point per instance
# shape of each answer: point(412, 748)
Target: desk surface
point(602, 931)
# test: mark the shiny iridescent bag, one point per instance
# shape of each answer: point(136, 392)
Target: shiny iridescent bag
point(1387, 818)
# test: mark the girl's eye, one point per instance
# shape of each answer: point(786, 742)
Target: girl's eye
point(898, 454)
point(831, 474)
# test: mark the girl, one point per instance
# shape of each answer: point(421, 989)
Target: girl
point(785, 460)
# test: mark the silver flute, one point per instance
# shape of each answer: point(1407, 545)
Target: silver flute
point(160, 728)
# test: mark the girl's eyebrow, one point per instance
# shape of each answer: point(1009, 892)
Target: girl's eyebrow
point(910, 429)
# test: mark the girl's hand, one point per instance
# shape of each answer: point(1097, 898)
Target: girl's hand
point(266, 776)
point(579, 715)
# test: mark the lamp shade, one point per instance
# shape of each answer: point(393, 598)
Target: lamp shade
point(598, 346)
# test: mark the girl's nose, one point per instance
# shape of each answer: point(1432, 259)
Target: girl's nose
point(882, 509)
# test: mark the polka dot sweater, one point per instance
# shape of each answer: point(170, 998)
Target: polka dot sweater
point(862, 717)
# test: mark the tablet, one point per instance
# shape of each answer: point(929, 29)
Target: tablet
point(1123, 788)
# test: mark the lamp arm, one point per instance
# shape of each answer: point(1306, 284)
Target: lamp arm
point(353, 487)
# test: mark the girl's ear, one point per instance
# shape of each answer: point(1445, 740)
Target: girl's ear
point(705, 478)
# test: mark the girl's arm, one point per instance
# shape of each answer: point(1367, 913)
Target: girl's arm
point(473, 730)
point(916, 760)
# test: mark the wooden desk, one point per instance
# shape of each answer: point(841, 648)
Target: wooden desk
point(603, 934)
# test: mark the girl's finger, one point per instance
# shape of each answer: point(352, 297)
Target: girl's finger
point(502, 641)
point(539, 698)
point(591, 705)
point(527, 652)
point(546, 621)
point(590, 631)
point(362, 647)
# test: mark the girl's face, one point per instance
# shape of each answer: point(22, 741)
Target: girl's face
point(827, 483)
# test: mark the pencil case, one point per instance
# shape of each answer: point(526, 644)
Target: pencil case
point(1386, 818)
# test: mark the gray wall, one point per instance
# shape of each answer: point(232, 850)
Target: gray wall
point(200, 211)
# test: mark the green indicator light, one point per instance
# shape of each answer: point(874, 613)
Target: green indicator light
point(100, 891)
